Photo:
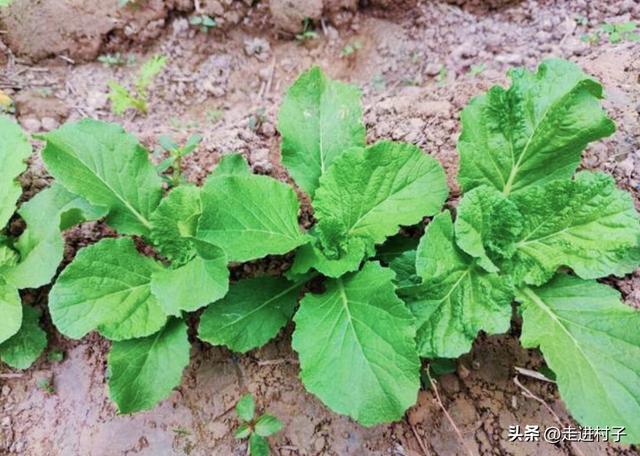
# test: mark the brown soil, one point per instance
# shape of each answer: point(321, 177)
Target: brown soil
point(227, 85)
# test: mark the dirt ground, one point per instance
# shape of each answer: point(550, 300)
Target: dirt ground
point(413, 63)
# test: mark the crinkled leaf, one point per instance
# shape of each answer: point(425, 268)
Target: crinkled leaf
point(592, 343)
point(14, 151)
point(26, 346)
point(356, 346)
point(175, 221)
point(586, 224)
point(231, 165)
point(142, 372)
point(187, 288)
point(250, 216)
point(487, 226)
point(108, 167)
point(246, 407)
point(318, 120)
point(10, 309)
point(374, 191)
point(268, 425)
point(313, 256)
point(252, 313)
point(107, 287)
point(41, 246)
point(456, 299)
point(533, 132)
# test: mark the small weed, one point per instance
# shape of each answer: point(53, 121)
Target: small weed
point(379, 82)
point(581, 20)
point(203, 21)
point(214, 115)
point(123, 99)
point(307, 33)
point(617, 33)
point(117, 59)
point(181, 432)
point(256, 430)
point(476, 70)
point(256, 119)
point(350, 49)
point(176, 154)
point(442, 75)
point(44, 384)
point(56, 356)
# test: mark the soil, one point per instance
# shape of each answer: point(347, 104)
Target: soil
point(413, 63)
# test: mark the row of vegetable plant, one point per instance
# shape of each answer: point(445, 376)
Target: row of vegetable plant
point(368, 302)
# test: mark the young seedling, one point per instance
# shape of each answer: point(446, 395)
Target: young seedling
point(307, 33)
point(350, 49)
point(204, 22)
point(123, 99)
point(174, 161)
point(256, 430)
point(117, 59)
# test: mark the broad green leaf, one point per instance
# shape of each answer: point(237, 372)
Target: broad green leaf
point(252, 313)
point(175, 222)
point(10, 309)
point(356, 347)
point(318, 120)
point(268, 425)
point(41, 246)
point(142, 372)
point(108, 167)
point(107, 287)
point(532, 133)
point(243, 431)
point(26, 346)
point(202, 280)
point(487, 226)
point(586, 224)
point(258, 445)
point(246, 407)
point(405, 268)
point(231, 165)
point(457, 298)
point(250, 216)
point(373, 191)
point(592, 343)
point(14, 151)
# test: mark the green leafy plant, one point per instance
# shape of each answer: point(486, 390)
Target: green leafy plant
point(137, 301)
point(31, 259)
point(255, 429)
point(356, 335)
point(174, 161)
point(204, 22)
point(531, 229)
point(123, 99)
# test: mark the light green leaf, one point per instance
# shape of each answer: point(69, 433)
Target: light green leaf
point(108, 167)
point(533, 132)
point(41, 246)
point(251, 314)
point(250, 216)
point(175, 222)
point(405, 268)
point(318, 120)
point(202, 280)
point(268, 425)
point(26, 346)
point(246, 407)
point(231, 165)
point(107, 287)
point(487, 226)
point(374, 191)
point(456, 299)
point(243, 431)
point(10, 309)
point(142, 372)
point(258, 446)
point(586, 224)
point(14, 151)
point(8, 256)
point(356, 347)
point(592, 343)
